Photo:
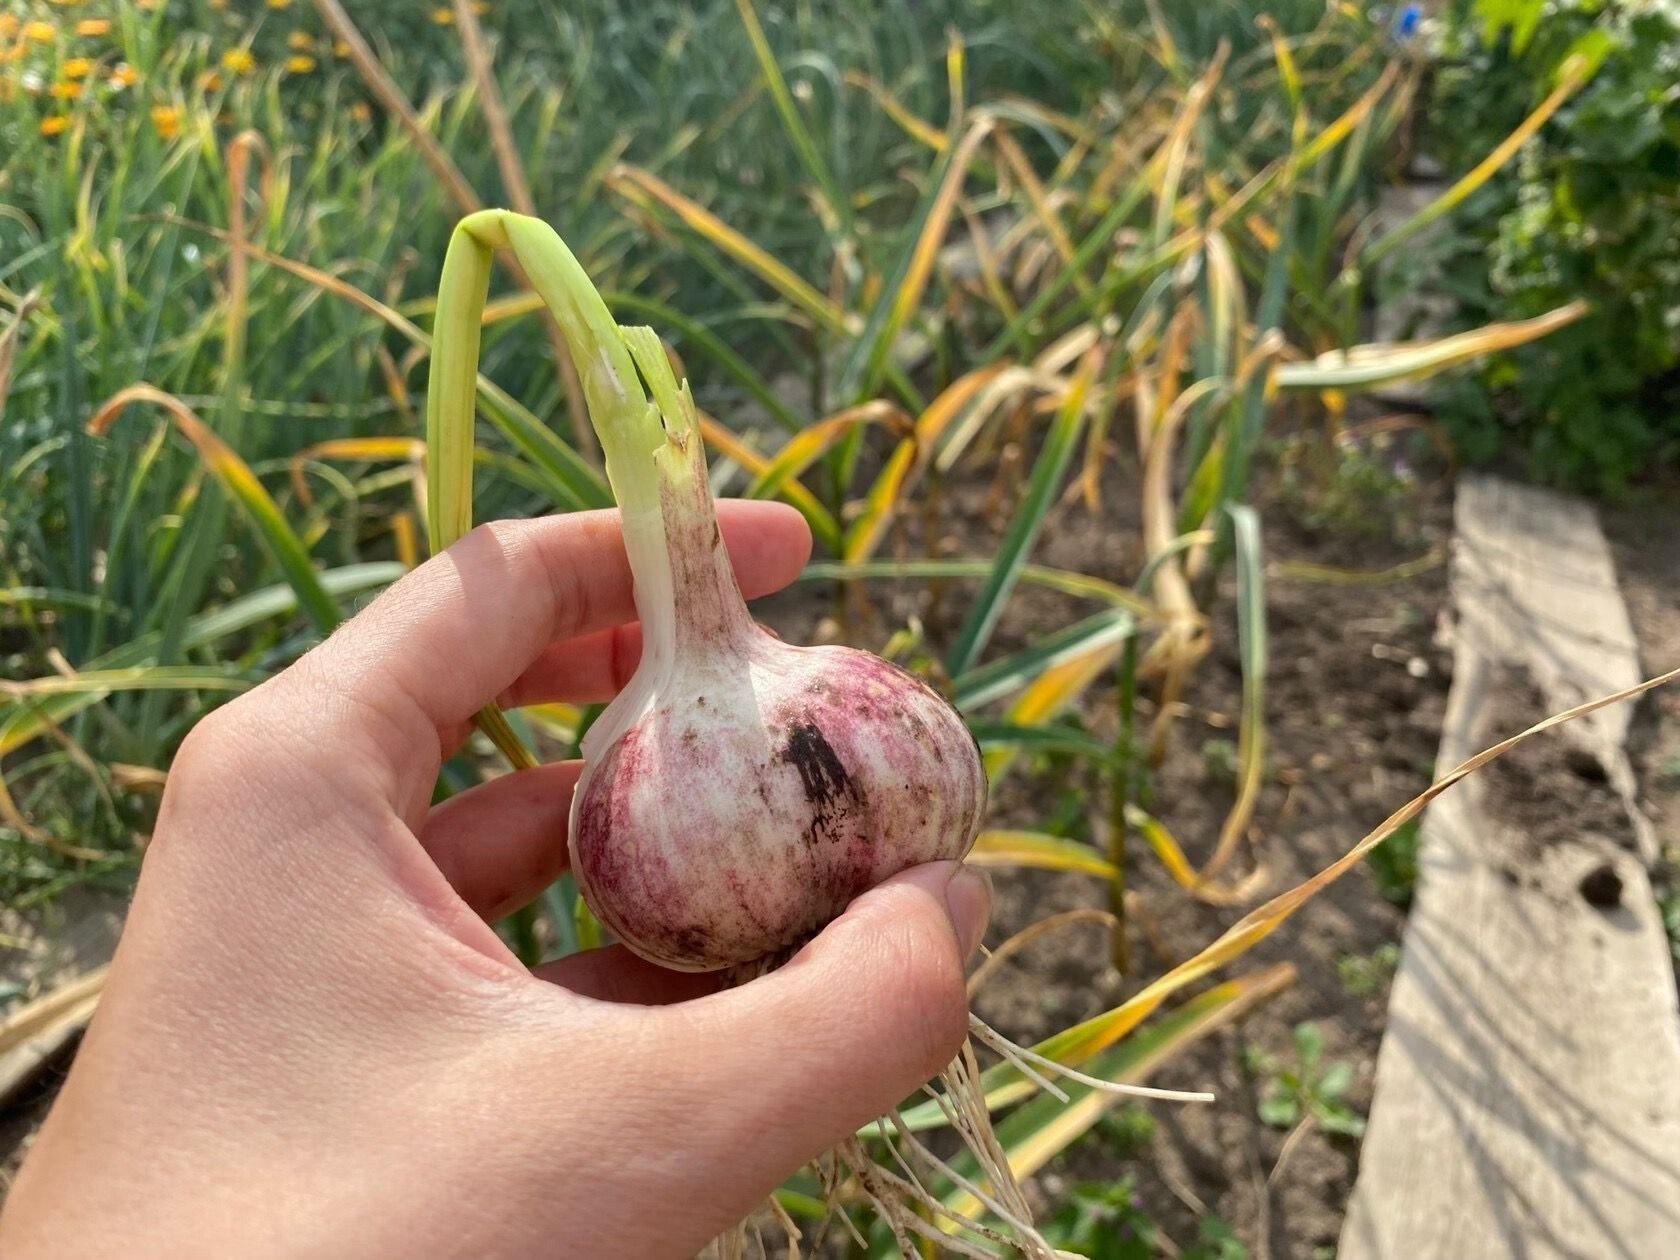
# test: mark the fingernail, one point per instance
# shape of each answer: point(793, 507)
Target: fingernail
point(968, 900)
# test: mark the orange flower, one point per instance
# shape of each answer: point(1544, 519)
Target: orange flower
point(239, 60)
point(166, 121)
point(124, 75)
point(66, 90)
point(53, 124)
point(8, 25)
point(93, 26)
point(41, 32)
point(77, 67)
point(210, 81)
point(300, 64)
point(279, 4)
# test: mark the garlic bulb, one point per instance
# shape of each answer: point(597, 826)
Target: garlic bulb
point(741, 791)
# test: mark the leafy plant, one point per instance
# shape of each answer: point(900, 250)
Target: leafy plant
point(1394, 866)
point(1589, 209)
point(1103, 1221)
point(1307, 1090)
point(1361, 974)
point(1215, 1241)
point(1343, 487)
point(1126, 1130)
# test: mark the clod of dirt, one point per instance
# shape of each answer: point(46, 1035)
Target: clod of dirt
point(1550, 791)
point(1585, 765)
point(1602, 887)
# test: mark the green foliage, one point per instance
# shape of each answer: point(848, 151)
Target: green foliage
point(1169, 188)
point(1394, 864)
point(1215, 1241)
point(1589, 209)
point(1219, 760)
point(1362, 974)
point(1307, 1089)
point(1342, 486)
point(1126, 1130)
point(1102, 1221)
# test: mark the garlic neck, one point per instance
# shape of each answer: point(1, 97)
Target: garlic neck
point(710, 613)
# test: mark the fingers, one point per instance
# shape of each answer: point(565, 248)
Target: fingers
point(862, 1017)
point(589, 669)
point(614, 974)
point(440, 643)
point(501, 843)
point(586, 670)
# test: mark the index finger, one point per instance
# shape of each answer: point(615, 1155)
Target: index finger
point(456, 632)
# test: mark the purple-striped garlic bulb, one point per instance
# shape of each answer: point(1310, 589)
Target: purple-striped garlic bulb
point(741, 791)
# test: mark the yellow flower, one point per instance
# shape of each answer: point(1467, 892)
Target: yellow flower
point(41, 32)
point(279, 4)
point(210, 81)
point(443, 16)
point(166, 121)
point(52, 125)
point(239, 60)
point(93, 26)
point(341, 48)
point(300, 41)
point(361, 111)
point(124, 75)
point(67, 4)
point(66, 90)
point(77, 67)
point(300, 64)
point(8, 25)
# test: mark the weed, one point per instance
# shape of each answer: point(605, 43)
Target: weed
point(1394, 864)
point(1307, 1090)
point(1363, 974)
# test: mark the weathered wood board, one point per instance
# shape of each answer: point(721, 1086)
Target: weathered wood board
point(1528, 1088)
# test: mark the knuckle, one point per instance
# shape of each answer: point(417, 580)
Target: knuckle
point(205, 750)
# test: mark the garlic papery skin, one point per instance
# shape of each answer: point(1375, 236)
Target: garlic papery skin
point(762, 789)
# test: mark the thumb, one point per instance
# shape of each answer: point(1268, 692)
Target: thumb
point(860, 1018)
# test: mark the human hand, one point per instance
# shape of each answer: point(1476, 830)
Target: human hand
point(313, 1044)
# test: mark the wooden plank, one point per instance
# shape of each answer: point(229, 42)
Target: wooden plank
point(1528, 1088)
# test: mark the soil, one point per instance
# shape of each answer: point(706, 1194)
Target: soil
point(1523, 786)
point(1355, 696)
